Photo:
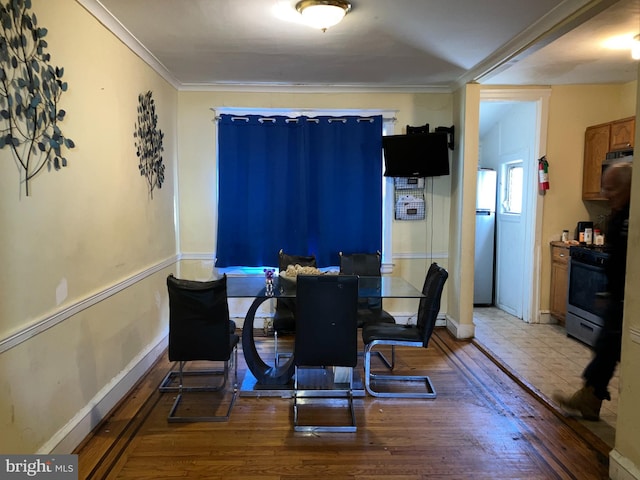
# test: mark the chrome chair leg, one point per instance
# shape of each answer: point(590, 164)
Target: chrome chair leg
point(371, 378)
point(389, 364)
point(168, 383)
point(231, 364)
point(303, 396)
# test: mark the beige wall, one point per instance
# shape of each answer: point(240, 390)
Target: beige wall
point(626, 456)
point(572, 109)
point(81, 232)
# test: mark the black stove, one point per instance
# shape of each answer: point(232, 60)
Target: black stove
point(591, 255)
point(587, 280)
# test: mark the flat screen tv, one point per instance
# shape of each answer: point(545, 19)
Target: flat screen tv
point(416, 155)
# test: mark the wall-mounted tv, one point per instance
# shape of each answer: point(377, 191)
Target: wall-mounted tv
point(416, 155)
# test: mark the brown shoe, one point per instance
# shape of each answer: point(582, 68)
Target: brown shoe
point(583, 401)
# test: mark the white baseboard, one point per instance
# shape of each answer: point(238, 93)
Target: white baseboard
point(83, 423)
point(621, 468)
point(545, 317)
point(459, 330)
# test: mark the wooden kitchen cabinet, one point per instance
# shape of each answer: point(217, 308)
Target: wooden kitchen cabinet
point(596, 146)
point(559, 280)
point(598, 141)
point(622, 134)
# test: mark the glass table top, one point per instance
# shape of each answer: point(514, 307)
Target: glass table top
point(253, 286)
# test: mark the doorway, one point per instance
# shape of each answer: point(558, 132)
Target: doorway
point(512, 137)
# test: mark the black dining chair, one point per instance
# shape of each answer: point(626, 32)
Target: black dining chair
point(367, 265)
point(200, 330)
point(396, 335)
point(326, 336)
point(284, 317)
point(369, 309)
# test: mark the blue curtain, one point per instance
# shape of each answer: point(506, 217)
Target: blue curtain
point(304, 185)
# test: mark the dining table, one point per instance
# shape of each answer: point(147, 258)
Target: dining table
point(264, 379)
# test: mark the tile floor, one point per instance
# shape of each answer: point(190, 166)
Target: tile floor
point(544, 357)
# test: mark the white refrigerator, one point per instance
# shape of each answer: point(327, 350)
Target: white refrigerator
point(485, 237)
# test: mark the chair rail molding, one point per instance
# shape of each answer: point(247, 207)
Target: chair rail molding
point(49, 321)
point(420, 255)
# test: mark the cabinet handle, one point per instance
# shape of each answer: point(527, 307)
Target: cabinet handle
point(562, 254)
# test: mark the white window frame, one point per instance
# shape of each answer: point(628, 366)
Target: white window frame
point(508, 169)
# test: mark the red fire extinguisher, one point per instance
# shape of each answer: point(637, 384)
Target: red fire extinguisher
point(543, 175)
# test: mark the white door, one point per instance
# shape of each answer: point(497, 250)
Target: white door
point(510, 233)
point(521, 135)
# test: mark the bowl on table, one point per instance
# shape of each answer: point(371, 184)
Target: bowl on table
point(290, 275)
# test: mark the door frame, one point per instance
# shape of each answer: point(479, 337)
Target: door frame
point(533, 231)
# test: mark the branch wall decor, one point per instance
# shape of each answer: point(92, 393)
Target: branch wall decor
point(149, 142)
point(30, 91)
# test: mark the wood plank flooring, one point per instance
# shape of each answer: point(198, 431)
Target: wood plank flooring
point(483, 424)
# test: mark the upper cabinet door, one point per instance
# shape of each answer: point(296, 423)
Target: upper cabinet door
point(596, 146)
point(622, 133)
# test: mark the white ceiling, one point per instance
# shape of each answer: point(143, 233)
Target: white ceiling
point(414, 45)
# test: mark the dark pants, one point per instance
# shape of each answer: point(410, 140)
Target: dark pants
point(607, 353)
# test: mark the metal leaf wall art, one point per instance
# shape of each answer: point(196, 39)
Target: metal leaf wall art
point(30, 92)
point(149, 142)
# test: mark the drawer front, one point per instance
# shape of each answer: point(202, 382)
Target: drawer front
point(582, 329)
point(560, 254)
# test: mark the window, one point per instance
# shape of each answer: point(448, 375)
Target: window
point(307, 185)
point(513, 183)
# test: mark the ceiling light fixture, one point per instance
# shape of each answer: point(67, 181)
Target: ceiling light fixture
point(323, 14)
point(635, 48)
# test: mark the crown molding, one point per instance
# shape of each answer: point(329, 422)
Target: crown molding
point(313, 88)
point(566, 16)
point(99, 11)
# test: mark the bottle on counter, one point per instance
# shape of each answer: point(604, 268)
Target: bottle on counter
point(565, 236)
point(598, 237)
point(588, 236)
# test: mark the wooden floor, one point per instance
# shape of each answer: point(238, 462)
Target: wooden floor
point(483, 424)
